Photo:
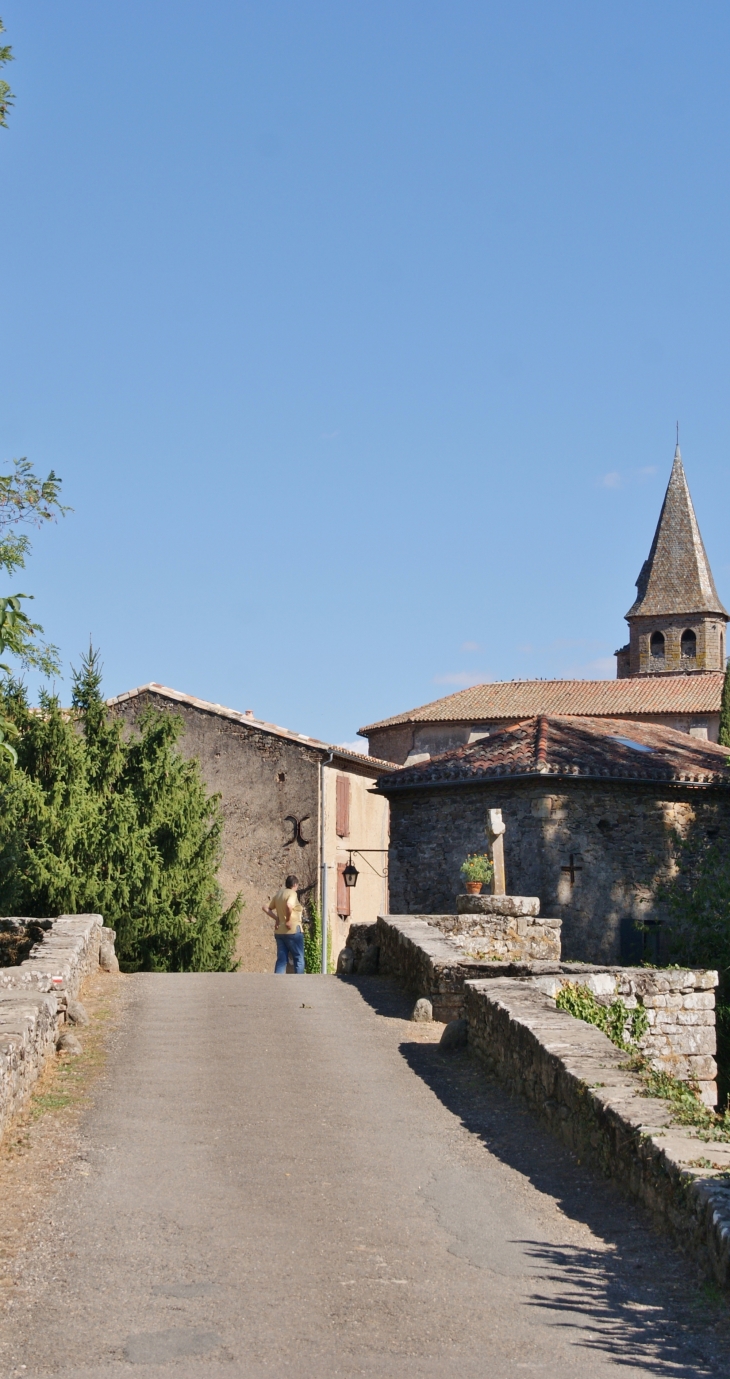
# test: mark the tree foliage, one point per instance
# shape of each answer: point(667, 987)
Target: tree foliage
point(24, 500)
point(698, 903)
point(93, 820)
point(6, 96)
point(724, 734)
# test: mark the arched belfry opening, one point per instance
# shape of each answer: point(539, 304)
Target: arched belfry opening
point(689, 645)
point(677, 622)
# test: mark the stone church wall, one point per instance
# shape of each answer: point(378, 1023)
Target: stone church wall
point(618, 837)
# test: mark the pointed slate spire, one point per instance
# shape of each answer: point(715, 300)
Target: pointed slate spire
point(677, 577)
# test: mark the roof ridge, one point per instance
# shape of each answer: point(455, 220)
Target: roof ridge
point(154, 687)
point(699, 692)
point(541, 741)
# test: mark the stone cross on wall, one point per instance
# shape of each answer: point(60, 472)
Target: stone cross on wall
point(495, 833)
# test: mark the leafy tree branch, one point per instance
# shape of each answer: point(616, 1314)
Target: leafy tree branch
point(6, 96)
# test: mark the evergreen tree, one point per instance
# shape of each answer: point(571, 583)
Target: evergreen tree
point(93, 820)
point(724, 736)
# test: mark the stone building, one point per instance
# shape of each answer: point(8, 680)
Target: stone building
point(290, 804)
point(669, 672)
point(677, 622)
point(591, 808)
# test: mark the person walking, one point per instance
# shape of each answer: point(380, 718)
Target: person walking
point(285, 909)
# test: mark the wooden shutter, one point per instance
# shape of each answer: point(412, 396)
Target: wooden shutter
point(343, 891)
point(342, 825)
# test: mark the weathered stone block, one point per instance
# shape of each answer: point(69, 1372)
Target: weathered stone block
point(511, 906)
point(699, 1000)
point(694, 1041)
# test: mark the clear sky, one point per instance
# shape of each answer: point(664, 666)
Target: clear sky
point(358, 333)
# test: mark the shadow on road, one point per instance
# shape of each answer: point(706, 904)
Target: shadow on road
point(643, 1300)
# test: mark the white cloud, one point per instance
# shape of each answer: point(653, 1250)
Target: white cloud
point(359, 746)
point(614, 479)
point(470, 646)
point(464, 678)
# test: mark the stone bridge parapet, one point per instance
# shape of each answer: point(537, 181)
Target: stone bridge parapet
point(32, 999)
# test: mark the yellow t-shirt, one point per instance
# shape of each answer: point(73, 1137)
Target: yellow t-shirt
point(289, 918)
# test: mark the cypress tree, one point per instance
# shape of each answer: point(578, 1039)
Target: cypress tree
point(724, 736)
point(93, 820)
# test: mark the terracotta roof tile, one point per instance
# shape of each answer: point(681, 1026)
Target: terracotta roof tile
point(548, 746)
point(510, 699)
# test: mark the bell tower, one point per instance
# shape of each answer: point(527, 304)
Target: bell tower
point(677, 622)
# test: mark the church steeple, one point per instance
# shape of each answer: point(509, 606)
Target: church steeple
point(677, 621)
point(677, 577)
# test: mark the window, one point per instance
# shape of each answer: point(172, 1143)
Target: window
point(657, 645)
point(343, 891)
point(632, 743)
point(342, 820)
point(689, 645)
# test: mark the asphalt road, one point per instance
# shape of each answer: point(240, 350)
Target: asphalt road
point(279, 1179)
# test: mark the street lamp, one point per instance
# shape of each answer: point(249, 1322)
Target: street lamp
point(350, 873)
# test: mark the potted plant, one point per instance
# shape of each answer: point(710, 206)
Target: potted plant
point(476, 870)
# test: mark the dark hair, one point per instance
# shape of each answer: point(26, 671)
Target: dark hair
point(291, 882)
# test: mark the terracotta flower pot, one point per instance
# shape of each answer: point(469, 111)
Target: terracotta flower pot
point(474, 887)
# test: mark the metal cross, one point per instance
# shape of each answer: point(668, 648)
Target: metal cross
point(571, 869)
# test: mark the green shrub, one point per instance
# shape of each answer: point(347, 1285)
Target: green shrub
point(313, 940)
point(624, 1027)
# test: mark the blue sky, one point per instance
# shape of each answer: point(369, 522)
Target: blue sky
point(358, 334)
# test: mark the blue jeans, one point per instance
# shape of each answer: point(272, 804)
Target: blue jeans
point(290, 946)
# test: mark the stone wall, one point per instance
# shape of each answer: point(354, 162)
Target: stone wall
point(501, 928)
point(680, 1008)
point(421, 954)
point(618, 836)
point(32, 996)
point(577, 1082)
point(269, 784)
point(423, 960)
point(262, 778)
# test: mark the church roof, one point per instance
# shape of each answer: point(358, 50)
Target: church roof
point(677, 577)
point(567, 747)
point(515, 699)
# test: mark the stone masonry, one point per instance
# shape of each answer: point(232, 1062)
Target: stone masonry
point(501, 928)
point(579, 1085)
point(32, 1001)
point(680, 1004)
point(618, 837)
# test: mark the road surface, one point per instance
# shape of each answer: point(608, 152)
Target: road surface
point(283, 1176)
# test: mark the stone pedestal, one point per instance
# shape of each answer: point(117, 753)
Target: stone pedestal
point(510, 906)
point(501, 928)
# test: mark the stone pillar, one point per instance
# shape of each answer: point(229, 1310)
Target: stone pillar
point(495, 833)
